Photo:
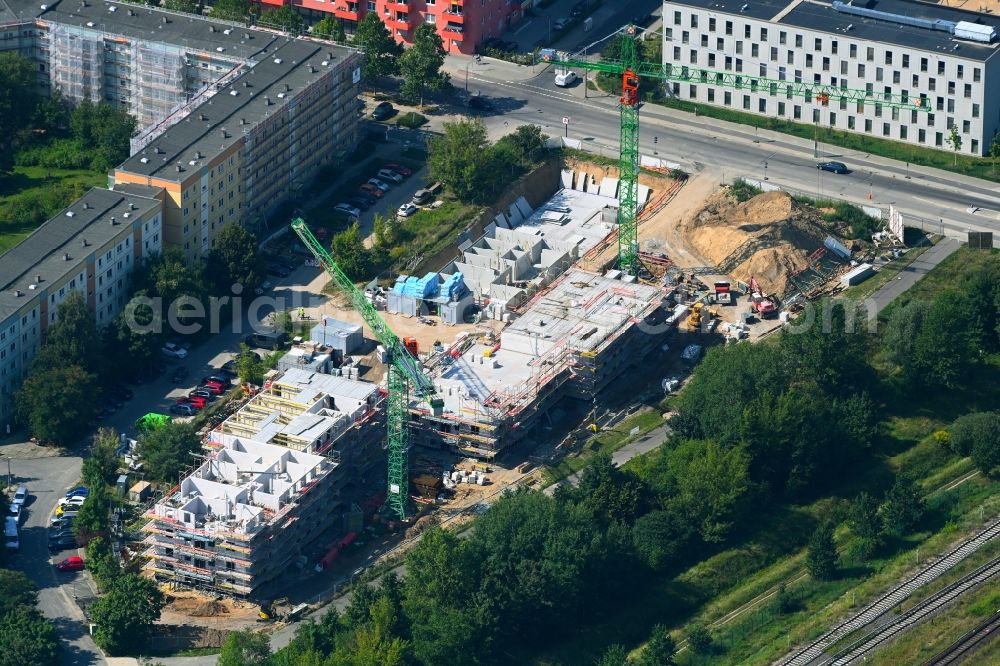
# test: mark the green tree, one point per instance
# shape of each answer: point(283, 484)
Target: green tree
point(232, 10)
point(380, 51)
point(349, 251)
point(52, 114)
point(995, 150)
point(821, 558)
point(611, 494)
point(526, 144)
point(711, 486)
point(16, 589)
point(54, 404)
point(283, 18)
point(954, 139)
point(103, 132)
point(249, 368)
point(903, 507)
point(615, 655)
point(700, 639)
point(92, 518)
point(234, 259)
point(131, 344)
point(970, 430)
point(420, 65)
point(659, 650)
point(101, 562)
point(102, 465)
point(168, 450)
point(245, 648)
point(660, 537)
point(27, 638)
point(943, 350)
point(125, 614)
point(187, 6)
point(866, 524)
point(330, 28)
point(461, 159)
point(18, 96)
point(73, 337)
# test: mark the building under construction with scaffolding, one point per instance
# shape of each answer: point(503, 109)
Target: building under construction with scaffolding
point(279, 473)
point(570, 340)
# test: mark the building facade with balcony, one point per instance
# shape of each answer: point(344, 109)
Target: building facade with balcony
point(947, 58)
point(462, 24)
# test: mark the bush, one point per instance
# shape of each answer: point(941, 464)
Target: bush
point(743, 190)
point(411, 120)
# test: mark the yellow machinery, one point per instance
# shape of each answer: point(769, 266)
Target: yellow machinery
point(694, 319)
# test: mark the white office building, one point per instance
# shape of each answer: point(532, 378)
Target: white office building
point(944, 57)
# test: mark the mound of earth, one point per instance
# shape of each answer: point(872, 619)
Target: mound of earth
point(196, 607)
point(768, 237)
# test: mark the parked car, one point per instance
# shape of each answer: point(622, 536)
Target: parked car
point(14, 511)
point(74, 563)
point(61, 522)
point(75, 500)
point(59, 533)
point(214, 389)
point(565, 78)
point(62, 543)
point(368, 199)
point(407, 210)
point(370, 190)
point(62, 511)
point(389, 175)
point(197, 403)
point(173, 350)
point(263, 287)
point(383, 110)
point(834, 167)
point(360, 203)
point(560, 23)
point(423, 196)
point(225, 382)
point(277, 270)
point(183, 409)
point(379, 184)
point(82, 491)
point(202, 393)
point(347, 209)
point(267, 340)
point(179, 375)
point(20, 495)
point(403, 171)
point(579, 8)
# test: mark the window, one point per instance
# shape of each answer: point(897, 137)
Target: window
point(727, 98)
point(677, 53)
point(861, 71)
point(694, 20)
point(853, 50)
point(782, 37)
point(885, 129)
point(951, 106)
point(720, 44)
point(930, 120)
point(754, 50)
point(711, 60)
point(878, 73)
point(711, 94)
point(762, 105)
point(967, 90)
point(677, 18)
point(815, 114)
point(870, 54)
point(781, 108)
point(826, 64)
point(711, 25)
point(833, 119)
point(868, 124)
point(746, 31)
point(940, 67)
point(798, 41)
point(888, 57)
point(961, 71)
point(729, 27)
point(739, 48)
point(951, 87)
point(895, 77)
point(975, 147)
point(938, 139)
point(809, 60)
point(921, 136)
point(704, 41)
point(966, 126)
point(906, 60)
point(774, 53)
point(833, 47)
point(850, 122)
point(932, 84)
point(977, 74)
point(923, 64)
point(685, 37)
point(763, 34)
point(902, 131)
point(975, 110)
point(818, 44)
point(797, 112)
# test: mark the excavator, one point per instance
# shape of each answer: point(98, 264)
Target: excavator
point(760, 302)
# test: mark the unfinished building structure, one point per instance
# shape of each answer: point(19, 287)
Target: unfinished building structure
point(280, 472)
point(572, 339)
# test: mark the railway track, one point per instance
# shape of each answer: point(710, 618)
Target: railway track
point(861, 648)
point(955, 652)
point(813, 652)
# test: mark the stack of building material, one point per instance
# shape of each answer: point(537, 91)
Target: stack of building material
point(453, 287)
point(414, 287)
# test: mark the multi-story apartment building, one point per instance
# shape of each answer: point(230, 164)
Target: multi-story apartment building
point(282, 471)
point(90, 247)
point(238, 155)
point(945, 57)
point(462, 24)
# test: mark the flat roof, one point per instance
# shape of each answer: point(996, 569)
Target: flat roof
point(820, 16)
point(220, 122)
point(41, 253)
point(142, 22)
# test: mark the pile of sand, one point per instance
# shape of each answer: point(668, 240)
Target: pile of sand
point(768, 237)
point(198, 607)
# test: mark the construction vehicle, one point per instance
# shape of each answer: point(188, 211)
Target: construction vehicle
point(694, 319)
point(412, 346)
point(760, 302)
point(723, 293)
point(404, 373)
point(630, 68)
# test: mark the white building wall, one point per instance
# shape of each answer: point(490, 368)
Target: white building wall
point(955, 87)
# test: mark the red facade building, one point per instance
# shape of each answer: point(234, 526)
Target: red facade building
point(462, 24)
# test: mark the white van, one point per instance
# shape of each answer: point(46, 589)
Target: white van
point(11, 539)
point(565, 78)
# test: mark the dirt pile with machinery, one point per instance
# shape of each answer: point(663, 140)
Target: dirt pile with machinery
point(769, 236)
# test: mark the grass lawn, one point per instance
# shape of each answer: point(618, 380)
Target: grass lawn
point(979, 167)
point(31, 195)
point(885, 274)
point(430, 231)
point(948, 274)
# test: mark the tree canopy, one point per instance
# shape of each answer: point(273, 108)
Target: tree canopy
point(26, 637)
point(380, 51)
point(348, 250)
point(167, 450)
point(232, 10)
point(125, 614)
point(421, 64)
point(54, 403)
point(234, 259)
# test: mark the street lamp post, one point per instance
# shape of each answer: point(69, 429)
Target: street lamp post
point(467, 78)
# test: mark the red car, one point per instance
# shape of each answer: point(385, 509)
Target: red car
point(368, 188)
point(401, 170)
point(195, 401)
point(74, 563)
point(214, 389)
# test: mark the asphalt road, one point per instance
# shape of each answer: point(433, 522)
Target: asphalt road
point(914, 272)
point(528, 95)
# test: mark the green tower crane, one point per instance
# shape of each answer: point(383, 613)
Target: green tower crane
point(404, 374)
point(630, 68)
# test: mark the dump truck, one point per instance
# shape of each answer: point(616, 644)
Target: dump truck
point(760, 302)
point(723, 293)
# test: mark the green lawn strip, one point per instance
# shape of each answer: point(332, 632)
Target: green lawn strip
point(766, 635)
point(605, 441)
point(979, 167)
point(884, 275)
point(31, 195)
point(430, 231)
point(948, 274)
